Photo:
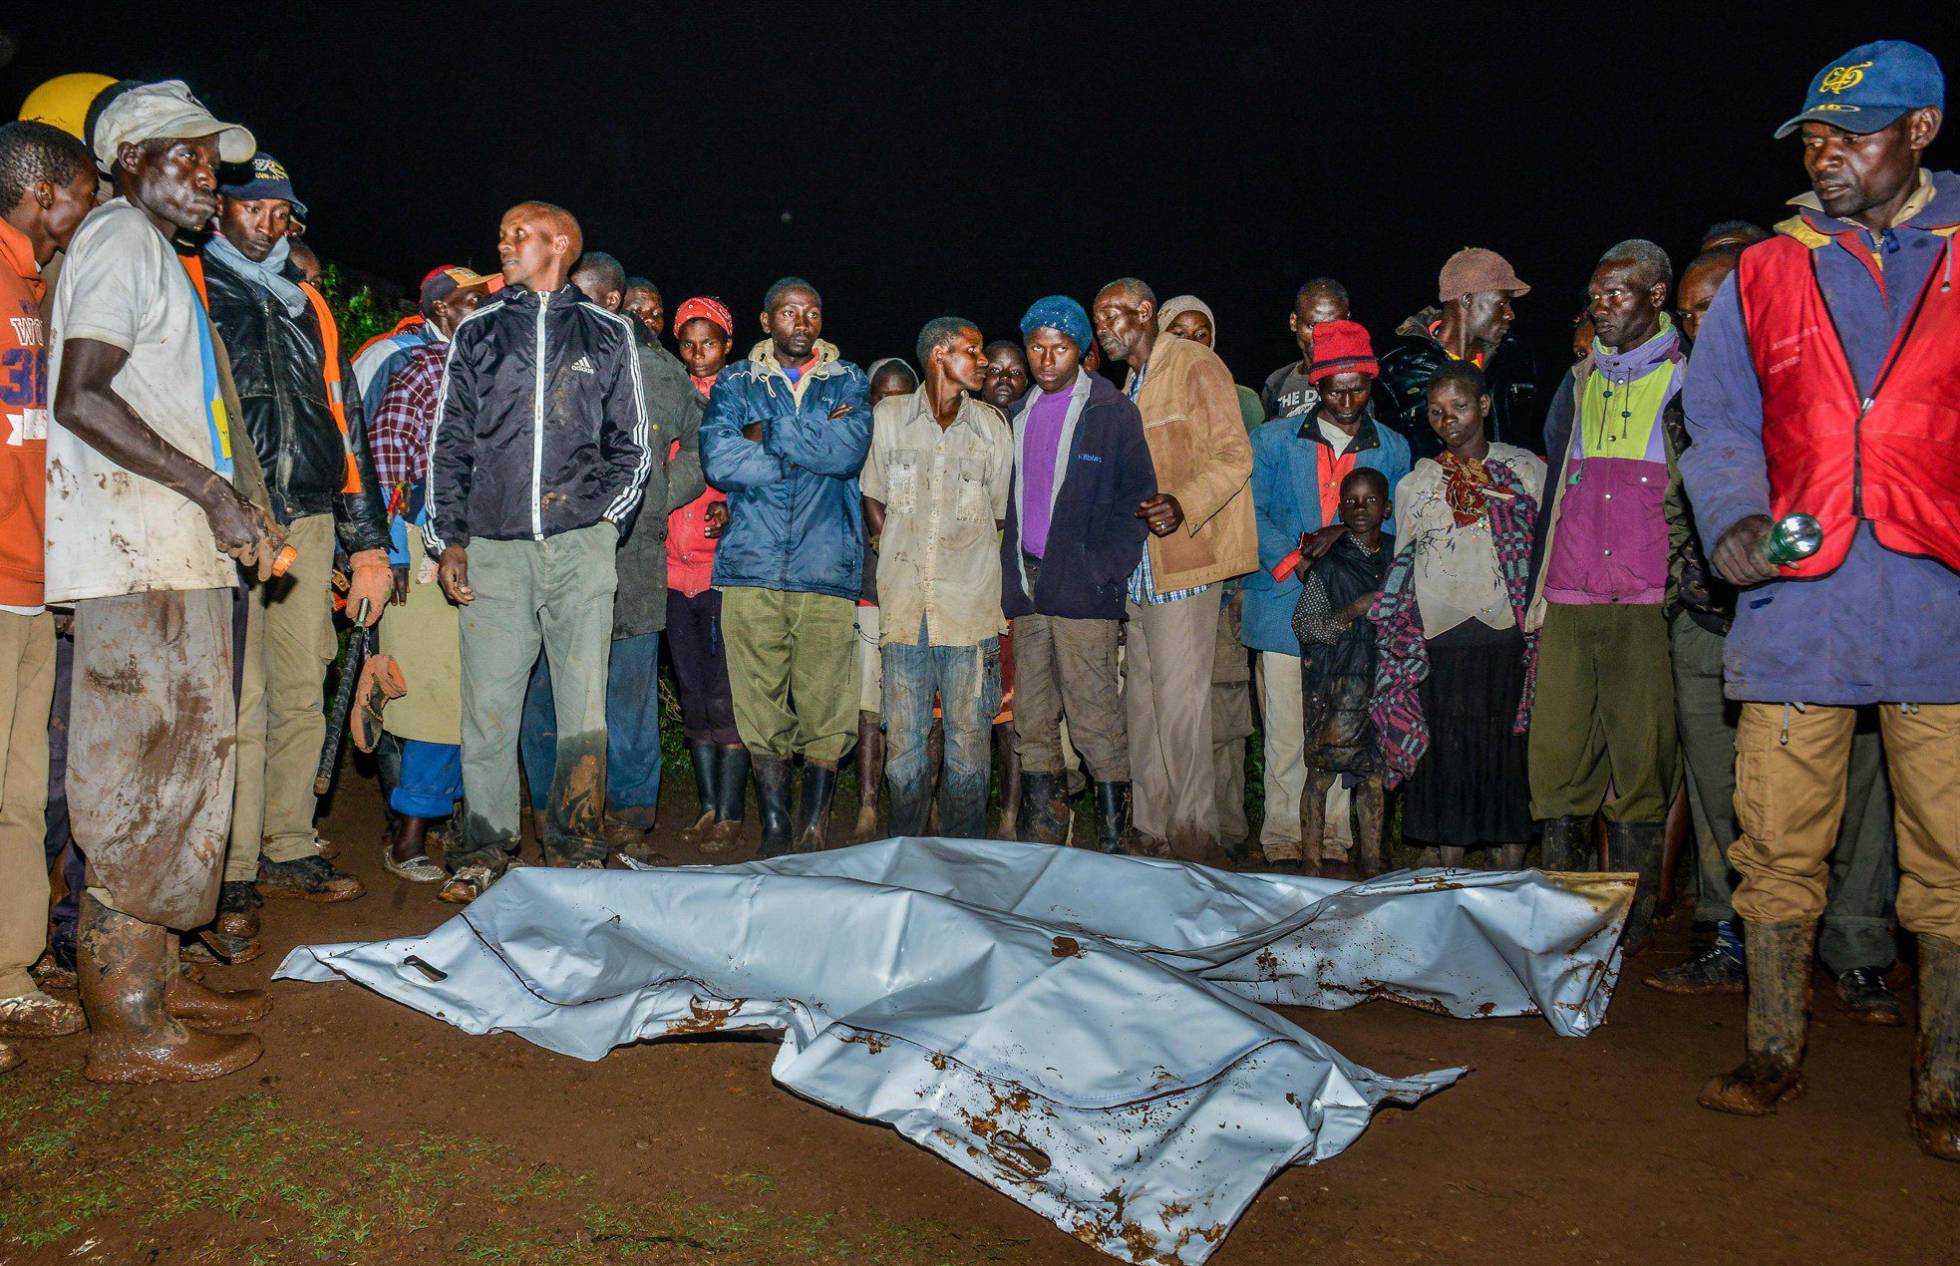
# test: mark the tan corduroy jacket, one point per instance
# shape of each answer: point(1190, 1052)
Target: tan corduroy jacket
point(1199, 447)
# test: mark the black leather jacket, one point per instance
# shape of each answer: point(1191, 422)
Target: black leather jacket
point(1402, 390)
point(276, 361)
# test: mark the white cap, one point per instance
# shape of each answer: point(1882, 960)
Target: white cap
point(151, 112)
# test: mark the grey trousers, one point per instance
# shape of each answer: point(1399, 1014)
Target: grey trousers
point(1855, 931)
point(1063, 665)
point(556, 594)
point(1167, 703)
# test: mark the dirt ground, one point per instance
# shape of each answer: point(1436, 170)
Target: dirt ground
point(372, 1134)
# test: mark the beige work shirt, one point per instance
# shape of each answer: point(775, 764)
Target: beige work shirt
point(943, 490)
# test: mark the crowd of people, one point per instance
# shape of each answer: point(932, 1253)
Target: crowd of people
point(1712, 565)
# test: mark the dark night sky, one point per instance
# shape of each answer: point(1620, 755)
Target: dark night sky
point(923, 158)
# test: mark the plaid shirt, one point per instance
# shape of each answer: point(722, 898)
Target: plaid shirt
point(399, 432)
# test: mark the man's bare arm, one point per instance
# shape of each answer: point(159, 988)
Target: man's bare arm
point(88, 406)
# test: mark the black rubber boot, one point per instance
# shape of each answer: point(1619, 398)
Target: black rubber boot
point(1567, 845)
point(1112, 817)
point(1779, 957)
point(772, 783)
point(813, 808)
point(1636, 846)
point(705, 758)
point(1935, 1111)
point(870, 774)
point(1041, 823)
point(731, 792)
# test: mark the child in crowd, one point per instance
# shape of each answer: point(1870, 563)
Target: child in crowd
point(1337, 649)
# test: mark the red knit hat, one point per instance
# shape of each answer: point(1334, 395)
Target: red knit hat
point(1341, 347)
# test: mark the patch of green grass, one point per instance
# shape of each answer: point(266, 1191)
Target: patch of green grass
point(307, 1191)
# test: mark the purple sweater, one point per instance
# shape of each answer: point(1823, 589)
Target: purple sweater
point(1879, 628)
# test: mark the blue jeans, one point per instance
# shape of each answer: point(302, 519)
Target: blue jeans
point(967, 681)
point(431, 779)
point(632, 731)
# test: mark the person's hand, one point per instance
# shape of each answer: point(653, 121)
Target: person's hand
point(1739, 557)
point(243, 529)
point(372, 582)
point(1358, 609)
point(1314, 545)
point(717, 516)
point(453, 573)
point(753, 432)
point(1161, 514)
point(841, 410)
point(399, 596)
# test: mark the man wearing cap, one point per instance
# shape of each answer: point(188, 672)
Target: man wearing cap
point(1603, 736)
point(1067, 552)
point(143, 527)
point(306, 423)
point(1298, 464)
point(1823, 386)
point(452, 289)
point(1471, 321)
point(1201, 533)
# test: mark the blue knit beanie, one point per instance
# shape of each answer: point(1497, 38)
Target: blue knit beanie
point(1059, 312)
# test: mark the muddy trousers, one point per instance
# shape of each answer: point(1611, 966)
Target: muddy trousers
point(1167, 704)
point(554, 595)
point(152, 729)
point(1602, 729)
point(632, 731)
point(967, 681)
point(793, 670)
point(1790, 778)
point(1855, 931)
point(26, 691)
point(282, 720)
point(1068, 666)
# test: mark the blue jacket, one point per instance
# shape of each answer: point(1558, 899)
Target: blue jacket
point(1094, 537)
point(795, 523)
point(1879, 628)
point(1286, 502)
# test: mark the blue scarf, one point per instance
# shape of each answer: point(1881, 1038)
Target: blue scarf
point(268, 274)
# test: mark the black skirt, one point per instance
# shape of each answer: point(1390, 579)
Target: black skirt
point(1470, 788)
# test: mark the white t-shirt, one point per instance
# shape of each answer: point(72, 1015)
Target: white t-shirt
point(1340, 440)
point(110, 532)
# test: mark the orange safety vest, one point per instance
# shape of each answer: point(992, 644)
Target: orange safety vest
point(329, 344)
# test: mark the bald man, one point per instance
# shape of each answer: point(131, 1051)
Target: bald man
point(541, 452)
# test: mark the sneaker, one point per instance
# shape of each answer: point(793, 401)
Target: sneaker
point(239, 903)
point(1868, 998)
point(1717, 969)
point(38, 1014)
point(466, 885)
point(309, 879)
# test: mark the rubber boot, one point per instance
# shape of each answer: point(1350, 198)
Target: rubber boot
point(1010, 782)
point(1567, 844)
point(1636, 846)
point(1779, 956)
point(1510, 857)
point(731, 794)
point(125, 972)
point(813, 808)
point(196, 1005)
point(1934, 1114)
point(1112, 817)
point(772, 785)
point(870, 772)
point(1042, 808)
point(706, 759)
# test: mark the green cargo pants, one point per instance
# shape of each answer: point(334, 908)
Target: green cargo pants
point(793, 671)
point(1602, 729)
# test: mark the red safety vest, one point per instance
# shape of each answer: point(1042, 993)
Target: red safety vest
point(1892, 457)
point(330, 346)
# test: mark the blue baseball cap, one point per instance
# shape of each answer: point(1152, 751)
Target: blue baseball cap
point(264, 177)
point(1871, 86)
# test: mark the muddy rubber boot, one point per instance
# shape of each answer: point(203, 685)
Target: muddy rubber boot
point(1779, 957)
point(125, 974)
point(1636, 846)
point(731, 796)
point(706, 759)
point(1369, 816)
point(1010, 784)
point(870, 773)
point(1567, 844)
point(1934, 1114)
point(196, 1005)
point(1112, 817)
point(1040, 796)
point(813, 808)
point(772, 787)
point(1510, 857)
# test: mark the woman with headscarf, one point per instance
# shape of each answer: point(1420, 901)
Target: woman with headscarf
point(1454, 669)
point(703, 332)
point(1188, 316)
